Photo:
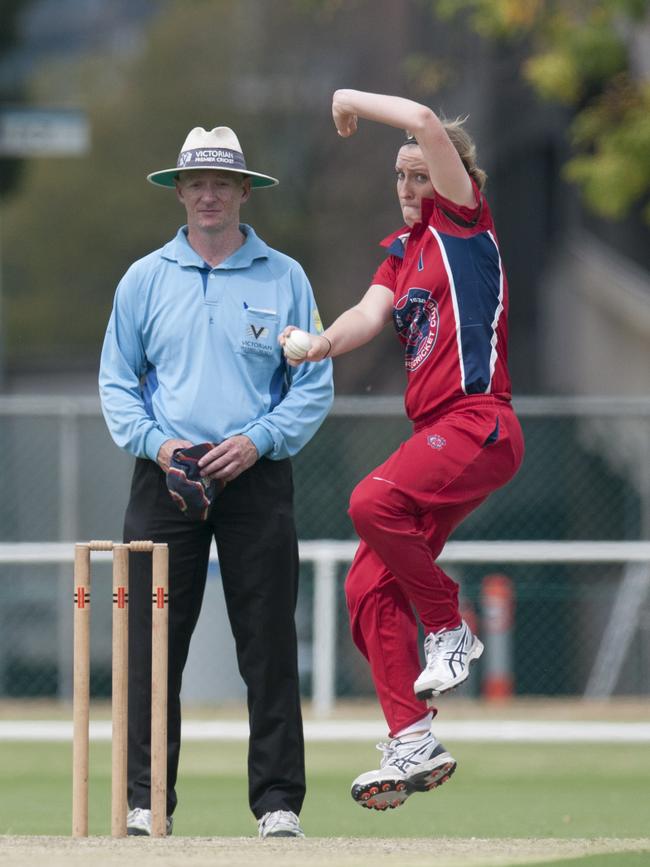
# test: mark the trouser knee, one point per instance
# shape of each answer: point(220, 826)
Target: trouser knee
point(365, 508)
point(354, 590)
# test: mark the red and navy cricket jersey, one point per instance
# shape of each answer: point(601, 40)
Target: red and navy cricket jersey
point(451, 305)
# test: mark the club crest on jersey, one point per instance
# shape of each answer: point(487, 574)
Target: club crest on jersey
point(417, 321)
point(436, 441)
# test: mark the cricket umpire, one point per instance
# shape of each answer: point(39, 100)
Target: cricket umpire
point(191, 359)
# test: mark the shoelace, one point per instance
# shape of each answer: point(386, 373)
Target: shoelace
point(388, 750)
point(279, 816)
point(435, 644)
point(433, 647)
point(391, 749)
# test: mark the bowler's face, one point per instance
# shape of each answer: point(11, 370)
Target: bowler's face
point(212, 198)
point(413, 183)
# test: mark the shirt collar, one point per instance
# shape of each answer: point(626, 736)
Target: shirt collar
point(396, 242)
point(180, 250)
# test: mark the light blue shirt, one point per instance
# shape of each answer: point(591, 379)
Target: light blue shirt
point(191, 352)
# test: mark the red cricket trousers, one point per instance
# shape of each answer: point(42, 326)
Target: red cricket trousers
point(403, 512)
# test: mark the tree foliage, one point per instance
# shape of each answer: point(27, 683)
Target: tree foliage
point(10, 12)
point(74, 226)
point(580, 53)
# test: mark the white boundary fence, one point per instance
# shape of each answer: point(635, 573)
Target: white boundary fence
point(327, 555)
point(69, 411)
point(505, 731)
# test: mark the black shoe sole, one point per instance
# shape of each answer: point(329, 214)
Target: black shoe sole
point(426, 781)
point(380, 795)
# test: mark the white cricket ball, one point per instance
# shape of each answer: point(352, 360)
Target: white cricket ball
point(297, 345)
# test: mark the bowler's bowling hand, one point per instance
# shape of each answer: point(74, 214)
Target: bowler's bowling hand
point(319, 347)
point(229, 458)
point(345, 119)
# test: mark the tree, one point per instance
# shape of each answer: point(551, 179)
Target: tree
point(265, 69)
point(10, 11)
point(583, 54)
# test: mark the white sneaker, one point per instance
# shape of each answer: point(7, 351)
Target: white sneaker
point(449, 654)
point(406, 767)
point(138, 823)
point(279, 823)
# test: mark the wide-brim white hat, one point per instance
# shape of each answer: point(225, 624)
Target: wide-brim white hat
point(217, 149)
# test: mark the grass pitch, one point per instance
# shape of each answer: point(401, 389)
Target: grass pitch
point(559, 791)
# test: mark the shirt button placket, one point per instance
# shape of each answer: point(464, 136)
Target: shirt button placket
point(210, 295)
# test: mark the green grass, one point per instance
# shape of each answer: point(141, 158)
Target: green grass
point(499, 790)
point(613, 859)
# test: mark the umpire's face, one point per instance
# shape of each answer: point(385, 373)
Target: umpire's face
point(212, 198)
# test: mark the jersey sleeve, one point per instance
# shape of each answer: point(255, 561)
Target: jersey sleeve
point(446, 211)
point(386, 274)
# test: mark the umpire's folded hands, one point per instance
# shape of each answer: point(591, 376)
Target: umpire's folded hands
point(166, 451)
point(229, 459)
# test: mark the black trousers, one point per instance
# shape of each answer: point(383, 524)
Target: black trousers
point(253, 526)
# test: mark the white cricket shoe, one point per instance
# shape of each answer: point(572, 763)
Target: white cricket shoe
point(280, 823)
point(406, 767)
point(138, 823)
point(448, 654)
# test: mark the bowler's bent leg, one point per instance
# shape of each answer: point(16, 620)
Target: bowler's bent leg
point(384, 629)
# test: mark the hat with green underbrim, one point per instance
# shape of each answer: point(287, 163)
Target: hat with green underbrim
point(216, 149)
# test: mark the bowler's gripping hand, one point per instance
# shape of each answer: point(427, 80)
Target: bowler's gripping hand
point(229, 459)
point(166, 451)
point(320, 347)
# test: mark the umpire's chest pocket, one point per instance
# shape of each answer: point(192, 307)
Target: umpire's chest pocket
point(259, 329)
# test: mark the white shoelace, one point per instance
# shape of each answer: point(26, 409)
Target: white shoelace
point(392, 748)
point(270, 820)
point(388, 750)
point(432, 647)
point(436, 642)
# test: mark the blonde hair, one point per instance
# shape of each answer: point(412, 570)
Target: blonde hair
point(464, 144)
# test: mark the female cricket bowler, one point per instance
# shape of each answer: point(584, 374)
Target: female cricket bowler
point(444, 288)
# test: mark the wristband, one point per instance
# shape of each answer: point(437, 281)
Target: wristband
point(330, 345)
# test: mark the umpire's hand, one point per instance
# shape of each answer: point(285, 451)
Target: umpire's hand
point(229, 459)
point(166, 451)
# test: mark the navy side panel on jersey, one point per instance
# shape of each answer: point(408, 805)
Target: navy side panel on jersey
point(474, 270)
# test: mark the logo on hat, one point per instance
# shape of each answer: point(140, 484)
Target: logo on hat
point(217, 149)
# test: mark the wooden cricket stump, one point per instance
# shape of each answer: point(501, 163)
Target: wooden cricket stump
point(120, 683)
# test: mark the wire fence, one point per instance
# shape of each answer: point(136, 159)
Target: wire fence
point(576, 627)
